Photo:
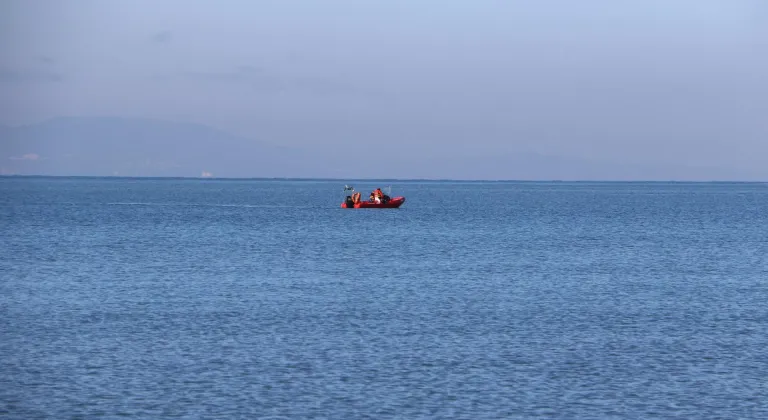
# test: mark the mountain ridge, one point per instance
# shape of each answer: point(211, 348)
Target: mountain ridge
point(148, 147)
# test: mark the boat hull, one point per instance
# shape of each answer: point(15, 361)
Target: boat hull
point(393, 203)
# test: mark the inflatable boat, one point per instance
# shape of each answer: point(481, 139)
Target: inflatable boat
point(392, 203)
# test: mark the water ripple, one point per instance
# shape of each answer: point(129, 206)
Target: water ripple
point(252, 299)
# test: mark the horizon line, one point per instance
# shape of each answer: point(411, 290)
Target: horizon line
point(199, 178)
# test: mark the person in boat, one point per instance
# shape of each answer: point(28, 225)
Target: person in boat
point(355, 198)
point(383, 198)
point(378, 196)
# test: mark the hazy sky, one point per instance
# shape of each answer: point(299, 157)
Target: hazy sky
point(682, 81)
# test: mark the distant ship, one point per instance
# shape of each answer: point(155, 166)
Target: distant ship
point(206, 175)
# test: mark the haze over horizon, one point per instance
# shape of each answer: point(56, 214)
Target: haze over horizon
point(450, 86)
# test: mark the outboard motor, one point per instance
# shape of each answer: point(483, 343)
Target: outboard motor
point(349, 203)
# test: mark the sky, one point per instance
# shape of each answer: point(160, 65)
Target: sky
point(645, 81)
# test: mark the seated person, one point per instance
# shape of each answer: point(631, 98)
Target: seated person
point(383, 198)
point(378, 195)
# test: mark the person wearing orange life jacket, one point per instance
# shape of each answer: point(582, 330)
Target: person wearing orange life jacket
point(378, 196)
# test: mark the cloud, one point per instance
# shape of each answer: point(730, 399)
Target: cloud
point(250, 76)
point(29, 76)
point(320, 86)
point(162, 37)
point(45, 60)
point(28, 156)
point(262, 80)
point(242, 74)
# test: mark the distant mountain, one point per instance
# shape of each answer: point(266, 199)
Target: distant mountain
point(534, 166)
point(139, 147)
point(105, 146)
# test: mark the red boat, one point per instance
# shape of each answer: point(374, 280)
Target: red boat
point(383, 201)
point(392, 203)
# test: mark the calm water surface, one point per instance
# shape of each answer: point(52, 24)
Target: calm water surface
point(264, 299)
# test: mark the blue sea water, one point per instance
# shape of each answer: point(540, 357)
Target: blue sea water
point(172, 298)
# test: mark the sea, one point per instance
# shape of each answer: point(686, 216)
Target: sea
point(264, 299)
